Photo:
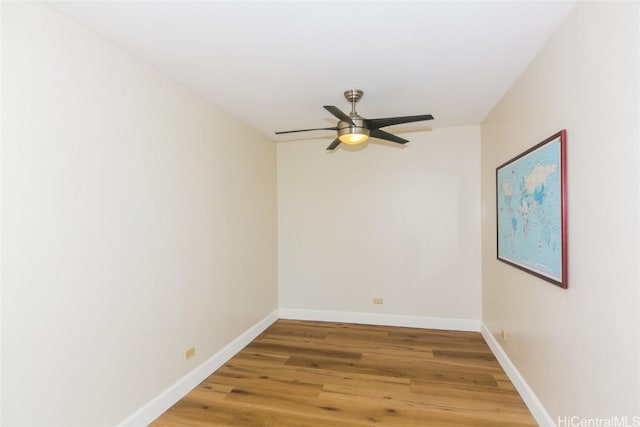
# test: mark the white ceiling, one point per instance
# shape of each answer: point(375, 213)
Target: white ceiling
point(274, 64)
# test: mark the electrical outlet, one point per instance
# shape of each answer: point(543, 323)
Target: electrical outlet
point(503, 335)
point(378, 301)
point(189, 353)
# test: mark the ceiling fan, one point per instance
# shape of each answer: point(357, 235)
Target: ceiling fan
point(354, 129)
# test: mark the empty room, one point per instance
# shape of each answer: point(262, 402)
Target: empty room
point(319, 213)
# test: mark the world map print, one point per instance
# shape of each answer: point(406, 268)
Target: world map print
point(529, 204)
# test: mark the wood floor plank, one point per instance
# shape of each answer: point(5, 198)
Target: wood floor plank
point(305, 374)
point(297, 348)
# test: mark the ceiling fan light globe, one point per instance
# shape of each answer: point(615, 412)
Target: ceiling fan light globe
point(353, 139)
point(353, 135)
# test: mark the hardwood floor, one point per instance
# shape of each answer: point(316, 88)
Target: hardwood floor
point(301, 374)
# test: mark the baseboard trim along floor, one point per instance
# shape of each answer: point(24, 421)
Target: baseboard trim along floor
point(469, 325)
point(538, 411)
point(157, 406)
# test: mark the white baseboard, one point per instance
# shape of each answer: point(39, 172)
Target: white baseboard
point(538, 411)
point(382, 319)
point(156, 407)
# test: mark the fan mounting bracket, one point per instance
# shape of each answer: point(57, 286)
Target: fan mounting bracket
point(353, 95)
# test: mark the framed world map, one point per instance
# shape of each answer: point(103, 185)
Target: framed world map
point(531, 207)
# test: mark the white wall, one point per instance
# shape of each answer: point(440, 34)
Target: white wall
point(137, 221)
point(578, 349)
point(382, 221)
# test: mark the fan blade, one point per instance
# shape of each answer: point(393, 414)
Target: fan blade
point(334, 144)
point(388, 121)
point(380, 134)
point(305, 130)
point(338, 113)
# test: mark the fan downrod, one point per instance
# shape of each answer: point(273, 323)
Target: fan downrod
point(353, 96)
